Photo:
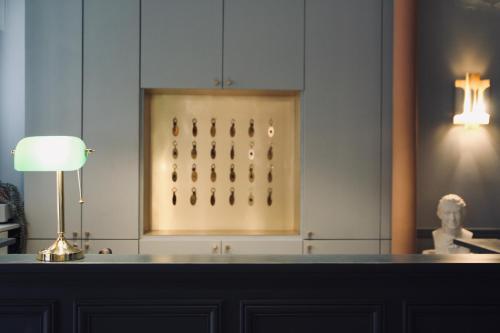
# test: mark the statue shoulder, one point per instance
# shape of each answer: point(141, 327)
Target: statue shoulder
point(466, 233)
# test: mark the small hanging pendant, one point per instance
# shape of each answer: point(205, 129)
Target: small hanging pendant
point(231, 196)
point(175, 152)
point(251, 129)
point(193, 196)
point(231, 152)
point(174, 173)
point(270, 153)
point(195, 128)
point(174, 196)
point(213, 153)
point(270, 174)
point(212, 128)
point(269, 197)
point(212, 197)
point(213, 174)
point(251, 151)
point(175, 128)
point(232, 129)
point(194, 173)
point(251, 175)
point(270, 129)
point(232, 174)
point(194, 151)
point(250, 199)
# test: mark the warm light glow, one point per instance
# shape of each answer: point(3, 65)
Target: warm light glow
point(474, 111)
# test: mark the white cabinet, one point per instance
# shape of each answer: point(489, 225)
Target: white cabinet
point(238, 44)
point(259, 246)
point(341, 246)
point(93, 246)
point(179, 245)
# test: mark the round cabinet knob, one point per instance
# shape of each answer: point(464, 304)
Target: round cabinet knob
point(310, 234)
point(309, 249)
point(75, 235)
point(216, 82)
point(215, 248)
point(227, 248)
point(228, 82)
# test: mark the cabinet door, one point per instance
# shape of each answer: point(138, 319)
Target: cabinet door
point(369, 246)
point(267, 247)
point(54, 105)
point(181, 43)
point(341, 120)
point(111, 119)
point(264, 44)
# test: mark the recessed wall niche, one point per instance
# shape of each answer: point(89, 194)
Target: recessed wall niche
point(221, 162)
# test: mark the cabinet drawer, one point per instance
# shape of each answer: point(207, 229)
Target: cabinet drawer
point(271, 247)
point(342, 247)
point(93, 246)
point(169, 246)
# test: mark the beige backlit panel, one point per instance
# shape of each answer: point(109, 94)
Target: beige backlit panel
point(222, 218)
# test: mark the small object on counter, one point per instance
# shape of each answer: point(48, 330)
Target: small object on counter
point(213, 131)
point(232, 174)
point(251, 174)
point(213, 174)
point(194, 151)
point(195, 128)
point(251, 151)
point(193, 196)
point(174, 173)
point(194, 173)
point(231, 152)
point(270, 129)
point(232, 129)
point(175, 152)
point(231, 196)
point(212, 197)
point(270, 174)
point(175, 127)
point(250, 199)
point(106, 250)
point(269, 196)
point(213, 153)
point(251, 129)
point(270, 152)
point(174, 196)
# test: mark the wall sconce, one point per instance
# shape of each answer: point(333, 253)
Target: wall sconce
point(474, 111)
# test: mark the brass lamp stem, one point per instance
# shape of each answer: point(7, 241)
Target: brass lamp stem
point(61, 249)
point(60, 202)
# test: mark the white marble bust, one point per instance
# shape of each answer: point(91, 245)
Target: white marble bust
point(451, 212)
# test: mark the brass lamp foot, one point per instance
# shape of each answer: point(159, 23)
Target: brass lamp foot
point(60, 250)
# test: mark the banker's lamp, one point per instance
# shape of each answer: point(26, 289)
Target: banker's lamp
point(59, 154)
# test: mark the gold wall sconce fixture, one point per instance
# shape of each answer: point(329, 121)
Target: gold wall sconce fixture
point(474, 106)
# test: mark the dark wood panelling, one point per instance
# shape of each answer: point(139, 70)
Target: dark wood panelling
point(457, 318)
point(26, 316)
point(310, 316)
point(124, 316)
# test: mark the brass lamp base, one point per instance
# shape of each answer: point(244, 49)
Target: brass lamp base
point(60, 250)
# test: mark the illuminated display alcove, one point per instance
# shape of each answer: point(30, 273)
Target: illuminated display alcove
point(242, 198)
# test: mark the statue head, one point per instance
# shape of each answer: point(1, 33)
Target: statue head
point(451, 211)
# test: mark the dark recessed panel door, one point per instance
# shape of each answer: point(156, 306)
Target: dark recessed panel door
point(311, 318)
point(147, 317)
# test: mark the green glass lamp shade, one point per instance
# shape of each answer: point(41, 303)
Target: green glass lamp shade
point(50, 153)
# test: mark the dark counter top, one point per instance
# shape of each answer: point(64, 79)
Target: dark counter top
point(181, 263)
